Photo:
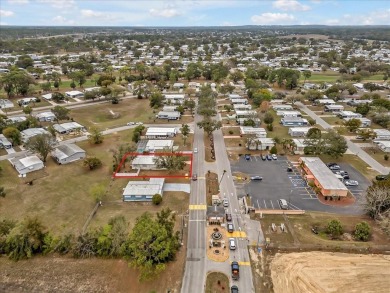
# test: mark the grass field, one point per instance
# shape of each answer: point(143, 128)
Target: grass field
point(100, 116)
point(378, 155)
point(217, 283)
point(61, 196)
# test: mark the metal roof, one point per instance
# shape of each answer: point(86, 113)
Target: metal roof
point(151, 187)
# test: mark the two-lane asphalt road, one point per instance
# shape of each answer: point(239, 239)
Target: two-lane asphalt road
point(195, 270)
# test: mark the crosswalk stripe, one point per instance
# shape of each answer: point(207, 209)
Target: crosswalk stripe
point(197, 207)
point(244, 263)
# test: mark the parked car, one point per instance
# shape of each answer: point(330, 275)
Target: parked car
point(232, 243)
point(283, 204)
point(382, 177)
point(195, 177)
point(263, 157)
point(289, 169)
point(230, 227)
point(351, 183)
point(331, 164)
point(274, 157)
point(334, 167)
point(229, 217)
point(269, 157)
point(139, 123)
point(343, 174)
point(130, 123)
point(256, 178)
point(247, 157)
point(225, 202)
point(234, 289)
point(195, 150)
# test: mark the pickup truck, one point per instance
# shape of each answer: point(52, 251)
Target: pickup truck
point(235, 270)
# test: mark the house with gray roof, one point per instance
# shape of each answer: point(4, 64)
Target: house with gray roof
point(31, 132)
point(67, 153)
point(143, 190)
point(68, 127)
point(26, 165)
point(4, 142)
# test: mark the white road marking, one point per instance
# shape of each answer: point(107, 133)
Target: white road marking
point(258, 205)
point(231, 194)
point(265, 205)
point(272, 204)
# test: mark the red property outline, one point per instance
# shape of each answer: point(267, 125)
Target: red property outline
point(153, 154)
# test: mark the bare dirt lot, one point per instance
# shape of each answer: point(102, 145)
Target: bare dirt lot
point(320, 272)
point(63, 275)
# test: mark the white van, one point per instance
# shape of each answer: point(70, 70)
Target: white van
point(283, 204)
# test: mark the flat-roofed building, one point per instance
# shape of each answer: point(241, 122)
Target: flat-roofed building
point(4, 142)
point(239, 101)
point(384, 145)
point(333, 108)
point(16, 119)
point(175, 99)
point(293, 121)
point(249, 130)
point(31, 132)
point(144, 163)
point(282, 107)
point(143, 190)
point(241, 107)
point(300, 145)
point(285, 113)
point(298, 131)
point(314, 170)
point(349, 114)
point(160, 132)
point(68, 127)
point(324, 102)
point(261, 144)
point(153, 145)
point(171, 115)
point(26, 165)
point(45, 116)
point(67, 153)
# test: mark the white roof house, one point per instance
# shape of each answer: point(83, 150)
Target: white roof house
point(16, 119)
point(384, 145)
point(74, 94)
point(5, 103)
point(264, 143)
point(241, 107)
point(299, 145)
point(144, 163)
point(4, 142)
point(175, 98)
point(45, 116)
point(365, 122)
point(333, 108)
point(284, 113)
point(234, 96)
point(143, 190)
point(258, 131)
point(68, 127)
point(382, 134)
point(31, 132)
point(172, 115)
point(27, 164)
point(160, 132)
point(47, 96)
point(67, 153)
point(325, 102)
point(282, 107)
point(239, 101)
point(158, 144)
point(298, 131)
point(349, 114)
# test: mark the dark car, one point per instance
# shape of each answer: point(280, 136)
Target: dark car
point(269, 157)
point(263, 157)
point(331, 164)
point(256, 178)
point(234, 289)
point(195, 177)
point(382, 177)
point(247, 157)
point(229, 217)
point(230, 227)
point(289, 169)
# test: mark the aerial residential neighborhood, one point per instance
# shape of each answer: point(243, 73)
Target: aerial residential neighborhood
point(160, 147)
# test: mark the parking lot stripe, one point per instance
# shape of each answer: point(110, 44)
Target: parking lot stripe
point(265, 205)
point(294, 206)
point(272, 205)
point(258, 205)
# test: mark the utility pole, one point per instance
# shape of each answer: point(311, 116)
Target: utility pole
point(219, 184)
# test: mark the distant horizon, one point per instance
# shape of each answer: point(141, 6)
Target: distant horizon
point(193, 13)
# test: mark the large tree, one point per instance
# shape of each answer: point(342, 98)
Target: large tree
point(152, 243)
point(209, 125)
point(42, 144)
point(172, 162)
point(13, 134)
point(95, 136)
point(60, 112)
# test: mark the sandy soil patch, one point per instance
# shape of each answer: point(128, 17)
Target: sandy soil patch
point(320, 272)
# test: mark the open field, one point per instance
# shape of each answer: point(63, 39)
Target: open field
point(378, 155)
point(135, 110)
point(330, 272)
point(217, 283)
point(65, 274)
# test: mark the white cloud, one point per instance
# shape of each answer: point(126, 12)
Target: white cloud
point(60, 4)
point(18, 1)
point(167, 13)
point(3, 23)
point(292, 5)
point(273, 18)
point(90, 13)
point(62, 20)
point(6, 13)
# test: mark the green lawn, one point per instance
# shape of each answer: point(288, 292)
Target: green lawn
point(333, 120)
point(100, 116)
point(378, 155)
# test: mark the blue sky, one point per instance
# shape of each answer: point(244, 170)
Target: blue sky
point(193, 12)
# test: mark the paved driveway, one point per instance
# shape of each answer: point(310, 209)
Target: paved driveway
point(177, 187)
point(277, 183)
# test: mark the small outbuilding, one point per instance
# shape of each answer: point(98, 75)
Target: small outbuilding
point(67, 153)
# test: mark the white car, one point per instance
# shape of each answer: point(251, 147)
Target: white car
point(225, 202)
point(195, 150)
point(139, 123)
point(130, 123)
point(274, 157)
point(351, 183)
point(232, 243)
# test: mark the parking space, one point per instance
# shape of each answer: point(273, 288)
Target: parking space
point(280, 183)
point(357, 191)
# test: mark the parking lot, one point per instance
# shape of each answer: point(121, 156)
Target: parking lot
point(278, 184)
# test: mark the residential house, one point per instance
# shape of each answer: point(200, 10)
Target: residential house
point(285, 113)
point(67, 153)
point(69, 127)
point(47, 97)
point(333, 108)
point(178, 85)
point(382, 134)
point(324, 102)
point(384, 145)
point(234, 96)
point(298, 131)
point(282, 107)
point(239, 101)
point(26, 165)
point(154, 145)
point(6, 104)
point(4, 142)
point(160, 132)
point(349, 114)
point(144, 163)
point(257, 131)
point(169, 108)
point(314, 170)
point(16, 119)
point(174, 115)
point(74, 94)
point(299, 146)
point(31, 132)
point(46, 116)
point(261, 144)
point(365, 122)
point(293, 121)
point(174, 99)
point(26, 101)
point(241, 107)
point(143, 190)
